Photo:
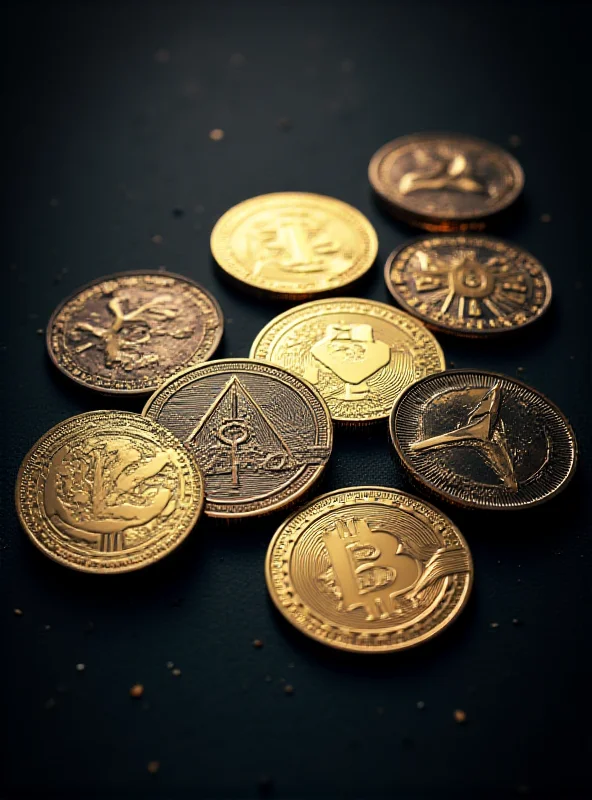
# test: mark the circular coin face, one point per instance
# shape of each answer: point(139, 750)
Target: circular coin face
point(261, 435)
point(108, 491)
point(483, 440)
point(293, 244)
point(444, 181)
point(127, 333)
point(360, 354)
point(468, 285)
point(369, 569)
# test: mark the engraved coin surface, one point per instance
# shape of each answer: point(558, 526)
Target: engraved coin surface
point(108, 491)
point(369, 569)
point(261, 435)
point(128, 332)
point(445, 181)
point(483, 440)
point(360, 354)
point(293, 244)
point(468, 285)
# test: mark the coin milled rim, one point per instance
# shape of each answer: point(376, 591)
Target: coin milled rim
point(462, 238)
point(458, 501)
point(220, 236)
point(255, 512)
point(94, 570)
point(413, 216)
point(217, 337)
point(302, 307)
point(353, 648)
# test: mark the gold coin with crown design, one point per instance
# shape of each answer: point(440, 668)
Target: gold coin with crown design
point(294, 244)
point(369, 569)
point(108, 492)
point(360, 354)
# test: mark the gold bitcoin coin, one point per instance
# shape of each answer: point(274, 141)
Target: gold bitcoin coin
point(483, 440)
point(260, 434)
point(127, 333)
point(442, 181)
point(369, 569)
point(293, 244)
point(108, 491)
point(468, 285)
point(360, 354)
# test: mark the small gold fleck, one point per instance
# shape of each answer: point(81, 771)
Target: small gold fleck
point(520, 369)
point(176, 672)
point(545, 218)
point(169, 665)
point(18, 612)
point(153, 767)
point(460, 716)
point(157, 238)
point(494, 624)
point(289, 689)
point(162, 56)
point(515, 140)
point(257, 643)
point(39, 331)
point(137, 690)
point(216, 134)
point(80, 667)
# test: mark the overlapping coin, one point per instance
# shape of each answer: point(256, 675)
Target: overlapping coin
point(468, 285)
point(260, 434)
point(360, 354)
point(483, 440)
point(369, 569)
point(128, 332)
point(294, 244)
point(108, 491)
point(441, 181)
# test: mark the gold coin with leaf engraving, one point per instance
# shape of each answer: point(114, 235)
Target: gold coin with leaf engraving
point(108, 491)
point(294, 244)
point(369, 569)
point(360, 354)
point(468, 285)
point(445, 181)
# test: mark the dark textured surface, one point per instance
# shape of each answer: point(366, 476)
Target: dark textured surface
point(104, 142)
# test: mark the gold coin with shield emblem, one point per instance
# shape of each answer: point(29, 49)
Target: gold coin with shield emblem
point(369, 569)
point(108, 491)
point(294, 244)
point(360, 354)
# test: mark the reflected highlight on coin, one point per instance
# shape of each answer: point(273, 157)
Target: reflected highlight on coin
point(294, 244)
point(108, 491)
point(445, 181)
point(468, 285)
point(360, 354)
point(369, 569)
point(261, 435)
point(483, 440)
point(127, 333)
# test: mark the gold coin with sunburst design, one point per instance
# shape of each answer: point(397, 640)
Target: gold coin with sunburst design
point(360, 354)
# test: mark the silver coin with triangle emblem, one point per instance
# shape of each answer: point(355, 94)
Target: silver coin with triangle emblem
point(260, 434)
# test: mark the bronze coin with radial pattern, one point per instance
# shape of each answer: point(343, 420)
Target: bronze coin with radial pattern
point(445, 181)
point(369, 569)
point(127, 333)
point(483, 440)
point(468, 285)
point(260, 434)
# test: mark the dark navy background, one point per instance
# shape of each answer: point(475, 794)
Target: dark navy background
point(103, 139)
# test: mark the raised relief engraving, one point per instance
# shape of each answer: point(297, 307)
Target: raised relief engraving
point(440, 170)
point(97, 490)
point(371, 568)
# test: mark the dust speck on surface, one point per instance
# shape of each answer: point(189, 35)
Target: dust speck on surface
point(162, 56)
point(47, 627)
point(545, 218)
point(516, 621)
point(157, 238)
point(169, 665)
point(153, 767)
point(257, 643)
point(137, 690)
point(494, 624)
point(178, 213)
point(460, 716)
point(39, 331)
point(176, 672)
point(18, 612)
point(80, 667)
point(216, 134)
point(49, 704)
point(515, 140)
point(285, 124)
point(54, 202)
point(289, 689)
point(420, 704)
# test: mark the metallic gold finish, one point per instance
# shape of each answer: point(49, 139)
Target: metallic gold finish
point(468, 285)
point(108, 491)
point(293, 244)
point(261, 435)
point(369, 569)
point(445, 181)
point(483, 440)
point(360, 354)
point(128, 332)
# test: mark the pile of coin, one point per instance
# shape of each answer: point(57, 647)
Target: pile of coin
point(364, 568)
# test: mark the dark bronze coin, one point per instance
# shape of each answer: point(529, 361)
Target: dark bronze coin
point(468, 285)
point(445, 181)
point(483, 440)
